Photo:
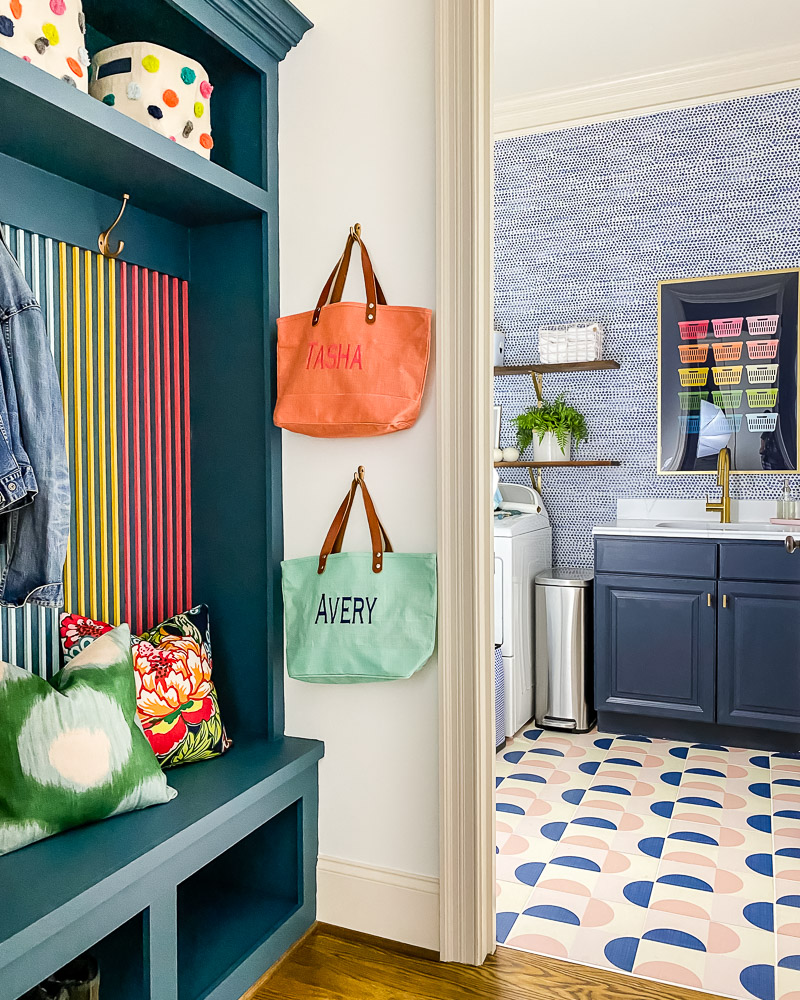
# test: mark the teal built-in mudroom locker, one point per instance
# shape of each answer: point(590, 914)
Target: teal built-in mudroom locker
point(166, 358)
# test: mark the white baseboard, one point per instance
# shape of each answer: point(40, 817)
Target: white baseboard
point(709, 82)
point(389, 904)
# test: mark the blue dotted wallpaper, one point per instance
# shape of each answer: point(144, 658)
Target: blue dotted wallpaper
point(588, 220)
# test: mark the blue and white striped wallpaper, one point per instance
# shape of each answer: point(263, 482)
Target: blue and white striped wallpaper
point(588, 220)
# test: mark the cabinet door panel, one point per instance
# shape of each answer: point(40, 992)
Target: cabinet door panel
point(655, 646)
point(758, 677)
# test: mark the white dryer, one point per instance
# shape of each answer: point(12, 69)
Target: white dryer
point(523, 547)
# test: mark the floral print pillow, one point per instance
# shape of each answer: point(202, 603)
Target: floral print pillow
point(175, 696)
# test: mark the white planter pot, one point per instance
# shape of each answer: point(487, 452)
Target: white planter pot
point(549, 450)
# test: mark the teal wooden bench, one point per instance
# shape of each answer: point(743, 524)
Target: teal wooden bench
point(196, 898)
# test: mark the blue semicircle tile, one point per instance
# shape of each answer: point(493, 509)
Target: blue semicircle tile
point(611, 789)
point(793, 782)
point(790, 962)
point(573, 795)
point(760, 822)
point(760, 760)
point(638, 893)
point(529, 873)
point(788, 755)
point(589, 766)
point(699, 800)
point(787, 814)
point(668, 935)
point(532, 734)
point(529, 777)
point(602, 824)
point(662, 809)
point(514, 756)
point(623, 760)
point(621, 952)
point(788, 852)
point(761, 789)
point(573, 861)
point(710, 771)
point(760, 915)
point(505, 921)
point(671, 777)
point(553, 831)
point(759, 980)
point(679, 752)
point(604, 743)
point(760, 863)
point(710, 746)
point(498, 781)
point(790, 901)
point(547, 751)
point(693, 838)
point(685, 882)
point(652, 846)
point(558, 913)
point(509, 807)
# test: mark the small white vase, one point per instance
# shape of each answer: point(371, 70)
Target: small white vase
point(549, 450)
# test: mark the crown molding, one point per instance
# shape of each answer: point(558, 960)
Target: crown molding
point(720, 79)
point(274, 25)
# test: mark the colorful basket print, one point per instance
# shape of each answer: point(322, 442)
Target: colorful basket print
point(693, 354)
point(730, 399)
point(762, 423)
point(731, 327)
point(728, 352)
point(159, 88)
point(693, 329)
point(175, 694)
point(761, 397)
point(49, 34)
point(762, 374)
point(690, 423)
point(734, 421)
point(693, 376)
point(762, 326)
point(762, 350)
point(732, 375)
point(690, 401)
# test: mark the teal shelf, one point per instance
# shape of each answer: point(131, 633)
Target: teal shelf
point(55, 127)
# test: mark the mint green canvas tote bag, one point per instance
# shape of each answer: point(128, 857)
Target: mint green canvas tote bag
point(353, 617)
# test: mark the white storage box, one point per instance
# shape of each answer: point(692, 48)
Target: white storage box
point(159, 88)
point(570, 342)
point(49, 34)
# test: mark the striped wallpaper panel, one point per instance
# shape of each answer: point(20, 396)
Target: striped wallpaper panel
point(120, 339)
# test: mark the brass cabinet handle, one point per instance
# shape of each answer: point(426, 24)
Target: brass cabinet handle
point(790, 544)
point(709, 600)
point(724, 600)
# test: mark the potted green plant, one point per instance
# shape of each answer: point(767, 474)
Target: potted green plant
point(550, 427)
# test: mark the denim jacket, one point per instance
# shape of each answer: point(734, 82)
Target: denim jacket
point(34, 476)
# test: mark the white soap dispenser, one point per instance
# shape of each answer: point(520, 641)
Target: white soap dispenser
point(786, 503)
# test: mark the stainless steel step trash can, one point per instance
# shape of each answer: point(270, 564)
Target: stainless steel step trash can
point(564, 697)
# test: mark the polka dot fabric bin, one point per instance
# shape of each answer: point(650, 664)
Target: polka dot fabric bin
point(159, 88)
point(674, 862)
point(49, 34)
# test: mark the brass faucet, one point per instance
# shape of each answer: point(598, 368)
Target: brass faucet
point(723, 481)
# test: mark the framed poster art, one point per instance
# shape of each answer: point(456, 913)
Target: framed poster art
point(728, 372)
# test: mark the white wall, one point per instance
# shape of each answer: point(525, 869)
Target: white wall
point(357, 144)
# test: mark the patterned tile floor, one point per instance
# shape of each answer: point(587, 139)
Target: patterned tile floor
point(676, 862)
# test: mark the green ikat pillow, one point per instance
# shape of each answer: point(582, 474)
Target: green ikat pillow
point(71, 750)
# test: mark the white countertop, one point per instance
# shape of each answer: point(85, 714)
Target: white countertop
point(665, 518)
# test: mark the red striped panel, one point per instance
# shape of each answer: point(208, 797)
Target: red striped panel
point(187, 442)
point(160, 602)
point(169, 468)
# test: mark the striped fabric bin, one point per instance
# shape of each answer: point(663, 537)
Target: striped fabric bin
point(499, 700)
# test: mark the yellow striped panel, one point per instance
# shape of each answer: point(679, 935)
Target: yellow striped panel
point(101, 436)
point(116, 527)
point(90, 448)
point(77, 354)
point(63, 330)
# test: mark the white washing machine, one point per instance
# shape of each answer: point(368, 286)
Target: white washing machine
point(523, 547)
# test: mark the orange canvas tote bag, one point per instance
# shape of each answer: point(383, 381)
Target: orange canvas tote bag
point(348, 369)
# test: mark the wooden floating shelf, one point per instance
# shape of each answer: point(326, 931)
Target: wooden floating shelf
point(61, 130)
point(564, 366)
point(552, 465)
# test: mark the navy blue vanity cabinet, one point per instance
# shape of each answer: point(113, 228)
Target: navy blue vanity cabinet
point(655, 646)
point(698, 640)
point(758, 642)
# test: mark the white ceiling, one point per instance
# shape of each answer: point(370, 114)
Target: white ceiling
point(553, 45)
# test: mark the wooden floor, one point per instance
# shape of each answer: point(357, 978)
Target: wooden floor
point(330, 966)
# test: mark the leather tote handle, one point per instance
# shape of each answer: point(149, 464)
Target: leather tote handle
point(377, 532)
point(338, 277)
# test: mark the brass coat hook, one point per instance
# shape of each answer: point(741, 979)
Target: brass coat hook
point(355, 231)
point(102, 240)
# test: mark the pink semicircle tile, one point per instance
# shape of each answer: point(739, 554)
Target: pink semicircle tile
point(681, 908)
point(641, 788)
point(606, 804)
point(789, 930)
point(730, 838)
point(736, 771)
point(727, 882)
point(688, 858)
point(630, 821)
point(794, 995)
point(539, 807)
point(785, 797)
point(699, 786)
point(788, 832)
point(594, 842)
point(515, 845)
point(668, 972)
point(538, 943)
point(722, 939)
point(615, 862)
point(731, 801)
point(597, 914)
point(517, 791)
point(565, 885)
point(704, 818)
point(790, 874)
